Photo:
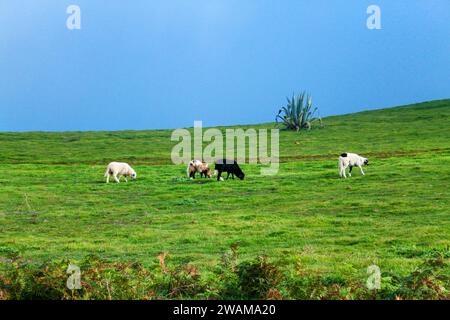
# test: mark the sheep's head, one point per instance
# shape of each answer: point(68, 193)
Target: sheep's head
point(133, 175)
point(366, 161)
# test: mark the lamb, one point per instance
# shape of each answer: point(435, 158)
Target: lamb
point(230, 167)
point(195, 166)
point(351, 160)
point(118, 170)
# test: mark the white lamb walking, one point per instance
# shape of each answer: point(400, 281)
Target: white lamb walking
point(351, 160)
point(118, 170)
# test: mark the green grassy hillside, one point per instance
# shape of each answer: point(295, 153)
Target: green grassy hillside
point(54, 203)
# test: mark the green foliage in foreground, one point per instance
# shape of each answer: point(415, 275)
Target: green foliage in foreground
point(254, 279)
point(55, 206)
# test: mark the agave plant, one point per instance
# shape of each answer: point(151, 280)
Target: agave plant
point(298, 114)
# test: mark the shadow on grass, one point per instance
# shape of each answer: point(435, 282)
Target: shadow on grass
point(202, 181)
point(112, 182)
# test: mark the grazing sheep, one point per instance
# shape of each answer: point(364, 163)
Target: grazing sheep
point(118, 170)
point(351, 160)
point(195, 166)
point(229, 166)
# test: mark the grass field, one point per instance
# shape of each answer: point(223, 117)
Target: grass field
point(54, 203)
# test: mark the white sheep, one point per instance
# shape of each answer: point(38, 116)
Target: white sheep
point(118, 170)
point(351, 160)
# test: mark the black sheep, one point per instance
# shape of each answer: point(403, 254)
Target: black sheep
point(229, 166)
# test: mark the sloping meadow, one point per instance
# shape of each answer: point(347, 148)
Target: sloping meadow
point(305, 232)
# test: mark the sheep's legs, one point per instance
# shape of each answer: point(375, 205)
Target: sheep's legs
point(350, 171)
point(228, 174)
point(362, 172)
point(343, 172)
point(116, 179)
point(218, 175)
point(107, 178)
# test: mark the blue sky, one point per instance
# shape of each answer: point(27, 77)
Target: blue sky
point(163, 64)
